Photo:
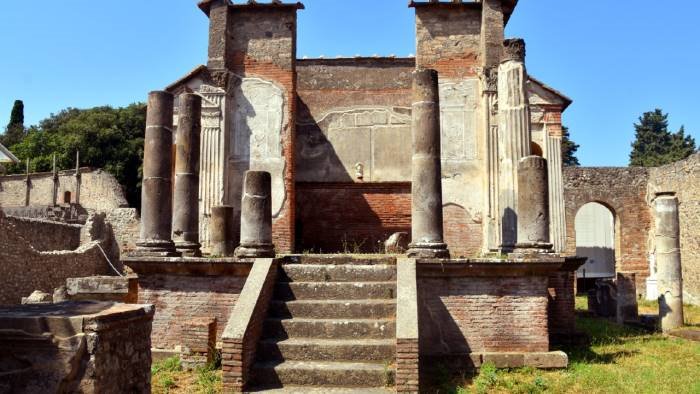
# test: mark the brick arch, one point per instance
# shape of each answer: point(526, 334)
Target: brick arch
point(623, 191)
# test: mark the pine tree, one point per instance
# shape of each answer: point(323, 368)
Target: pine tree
point(568, 149)
point(654, 145)
point(14, 133)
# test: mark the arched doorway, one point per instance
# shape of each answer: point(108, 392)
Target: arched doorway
point(595, 239)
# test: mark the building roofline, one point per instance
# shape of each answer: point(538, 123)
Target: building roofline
point(9, 154)
point(567, 101)
point(193, 73)
point(508, 5)
point(205, 5)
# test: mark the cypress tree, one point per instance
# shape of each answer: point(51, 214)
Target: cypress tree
point(568, 149)
point(654, 145)
point(14, 133)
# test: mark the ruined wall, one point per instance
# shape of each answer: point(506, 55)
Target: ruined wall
point(87, 348)
point(683, 178)
point(624, 191)
point(462, 315)
point(99, 190)
point(181, 298)
point(25, 269)
point(44, 235)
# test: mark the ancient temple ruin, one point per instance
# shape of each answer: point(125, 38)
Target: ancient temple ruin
point(457, 147)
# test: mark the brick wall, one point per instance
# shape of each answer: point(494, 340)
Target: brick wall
point(461, 315)
point(24, 269)
point(198, 342)
point(46, 235)
point(624, 191)
point(180, 298)
point(562, 308)
point(351, 217)
point(683, 178)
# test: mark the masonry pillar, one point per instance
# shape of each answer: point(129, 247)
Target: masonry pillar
point(221, 231)
point(186, 200)
point(533, 206)
point(156, 190)
point(627, 309)
point(256, 216)
point(426, 186)
point(514, 134)
point(668, 260)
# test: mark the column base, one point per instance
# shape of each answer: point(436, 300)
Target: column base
point(154, 248)
point(428, 251)
point(533, 248)
point(253, 251)
point(189, 249)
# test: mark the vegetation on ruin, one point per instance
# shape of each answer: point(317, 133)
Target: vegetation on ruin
point(168, 377)
point(618, 360)
point(655, 145)
point(107, 138)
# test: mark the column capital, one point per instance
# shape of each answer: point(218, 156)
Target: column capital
point(514, 50)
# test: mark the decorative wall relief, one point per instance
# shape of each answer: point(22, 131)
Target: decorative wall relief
point(458, 106)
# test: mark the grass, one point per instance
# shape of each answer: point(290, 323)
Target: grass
point(618, 360)
point(168, 377)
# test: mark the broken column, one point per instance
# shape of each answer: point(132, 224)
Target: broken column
point(514, 134)
point(668, 260)
point(156, 190)
point(533, 206)
point(221, 231)
point(186, 200)
point(426, 186)
point(256, 216)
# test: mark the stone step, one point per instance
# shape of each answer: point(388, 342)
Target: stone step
point(334, 290)
point(306, 349)
point(332, 309)
point(340, 259)
point(329, 328)
point(320, 374)
point(338, 273)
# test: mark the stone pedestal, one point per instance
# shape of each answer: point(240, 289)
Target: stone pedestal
point(513, 133)
point(186, 201)
point(627, 309)
point(426, 187)
point(256, 216)
point(668, 261)
point(533, 206)
point(221, 231)
point(156, 190)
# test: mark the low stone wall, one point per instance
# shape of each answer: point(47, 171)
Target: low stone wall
point(44, 235)
point(25, 269)
point(683, 178)
point(76, 347)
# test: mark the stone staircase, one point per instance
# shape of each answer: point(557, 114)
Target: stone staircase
point(330, 327)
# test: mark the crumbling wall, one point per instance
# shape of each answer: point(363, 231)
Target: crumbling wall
point(45, 235)
point(683, 178)
point(24, 269)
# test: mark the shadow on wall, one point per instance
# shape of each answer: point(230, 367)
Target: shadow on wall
point(342, 215)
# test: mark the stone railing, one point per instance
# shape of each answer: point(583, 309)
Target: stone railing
point(407, 365)
point(244, 327)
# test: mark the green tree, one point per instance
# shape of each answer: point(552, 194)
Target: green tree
point(14, 132)
point(568, 149)
point(107, 138)
point(654, 145)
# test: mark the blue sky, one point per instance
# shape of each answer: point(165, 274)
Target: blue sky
point(615, 59)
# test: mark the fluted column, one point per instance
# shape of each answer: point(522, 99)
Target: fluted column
point(492, 229)
point(668, 260)
point(514, 134)
point(186, 201)
point(256, 216)
point(156, 189)
point(533, 206)
point(557, 211)
point(426, 186)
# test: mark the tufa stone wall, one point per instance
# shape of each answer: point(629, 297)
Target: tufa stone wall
point(25, 269)
point(179, 298)
point(99, 190)
point(45, 235)
point(76, 347)
point(683, 178)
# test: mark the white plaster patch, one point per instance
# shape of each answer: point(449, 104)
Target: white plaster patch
point(458, 119)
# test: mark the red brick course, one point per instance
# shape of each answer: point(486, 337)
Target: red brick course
point(407, 362)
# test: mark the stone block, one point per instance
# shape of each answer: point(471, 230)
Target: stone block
point(549, 360)
point(504, 360)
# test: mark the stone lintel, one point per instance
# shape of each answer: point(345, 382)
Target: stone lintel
point(508, 5)
point(205, 5)
point(189, 266)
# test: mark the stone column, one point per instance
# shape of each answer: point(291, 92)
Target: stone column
point(626, 297)
point(533, 206)
point(492, 229)
point(186, 200)
point(156, 189)
point(668, 260)
point(426, 186)
point(514, 134)
point(256, 216)
point(221, 231)
point(54, 196)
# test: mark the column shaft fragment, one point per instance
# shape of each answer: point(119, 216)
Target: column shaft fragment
point(256, 216)
point(668, 260)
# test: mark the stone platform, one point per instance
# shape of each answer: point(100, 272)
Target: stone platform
point(89, 347)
